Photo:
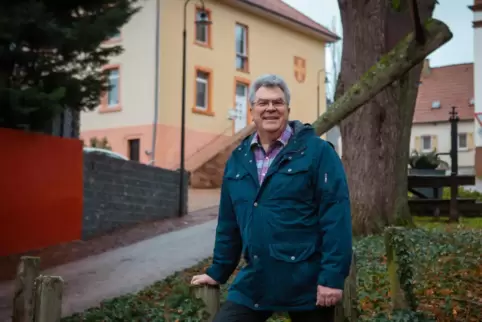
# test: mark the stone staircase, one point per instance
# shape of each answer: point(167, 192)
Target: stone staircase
point(207, 165)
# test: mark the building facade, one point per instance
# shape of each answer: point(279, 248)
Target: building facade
point(477, 24)
point(440, 89)
point(246, 39)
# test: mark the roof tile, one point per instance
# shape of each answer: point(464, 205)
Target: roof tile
point(452, 85)
point(283, 9)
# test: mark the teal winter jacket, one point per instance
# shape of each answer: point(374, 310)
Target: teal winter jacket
point(293, 230)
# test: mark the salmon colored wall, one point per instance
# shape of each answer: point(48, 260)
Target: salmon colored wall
point(41, 191)
point(167, 143)
point(118, 139)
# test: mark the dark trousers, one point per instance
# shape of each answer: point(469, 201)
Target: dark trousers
point(232, 312)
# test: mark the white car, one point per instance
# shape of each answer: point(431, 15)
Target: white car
point(105, 152)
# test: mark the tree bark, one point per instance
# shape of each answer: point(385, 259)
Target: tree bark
point(376, 138)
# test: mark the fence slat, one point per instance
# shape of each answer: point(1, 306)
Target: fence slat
point(346, 310)
point(48, 298)
point(23, 298)
point(211, 296)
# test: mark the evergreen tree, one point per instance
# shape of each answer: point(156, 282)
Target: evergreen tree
point(51, 56)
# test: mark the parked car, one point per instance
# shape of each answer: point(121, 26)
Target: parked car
point(108, 153)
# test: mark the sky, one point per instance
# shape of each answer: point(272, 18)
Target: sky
point(455, 13)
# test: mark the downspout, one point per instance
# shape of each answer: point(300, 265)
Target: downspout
point(156, 86)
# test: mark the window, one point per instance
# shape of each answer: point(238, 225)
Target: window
point(241, 113)
point(114, 37)
point(202, 31)
point(241, 47)
point(134, 146)
point(241, 89)
point(111, 98)
point(426, 143)
point(202, 84)
point(113, 91)
point(462, 141)
point(203, 93)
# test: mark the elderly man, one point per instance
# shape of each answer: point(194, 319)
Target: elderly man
point(285, 208)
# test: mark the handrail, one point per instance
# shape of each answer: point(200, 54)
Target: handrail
point(209, 143)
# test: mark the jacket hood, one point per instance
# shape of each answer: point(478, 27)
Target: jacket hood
point(302, 129)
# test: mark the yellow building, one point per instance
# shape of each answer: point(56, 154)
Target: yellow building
point(247, 38)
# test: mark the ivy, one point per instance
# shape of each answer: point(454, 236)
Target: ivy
point(398, 253)
point(402, 316)
point(439, 270)
point(396, 5)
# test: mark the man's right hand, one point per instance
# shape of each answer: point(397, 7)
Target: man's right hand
point(203, 279)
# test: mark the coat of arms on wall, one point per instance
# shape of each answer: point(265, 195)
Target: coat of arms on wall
point(300, 69)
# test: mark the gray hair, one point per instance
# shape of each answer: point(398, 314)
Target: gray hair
point(269, 80)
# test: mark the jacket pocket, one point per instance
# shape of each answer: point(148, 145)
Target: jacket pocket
point(294, 273)
point(291, 253)
point(292, 182)
point(240, 191)
point(238, 182)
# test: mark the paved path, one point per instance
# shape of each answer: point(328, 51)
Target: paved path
point(203, 198)
point(124, 270)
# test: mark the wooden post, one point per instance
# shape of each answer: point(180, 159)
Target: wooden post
point(454, 119)
point(48, 298)
point(23, 299)
point(397, 294)
point(346, 310)
point(211, 296)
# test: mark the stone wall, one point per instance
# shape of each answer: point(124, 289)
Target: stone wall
point(120, 193)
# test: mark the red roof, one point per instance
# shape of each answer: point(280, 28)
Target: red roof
point(451, 85)
point(278, 7)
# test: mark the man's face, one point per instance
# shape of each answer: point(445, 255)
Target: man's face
point(269, 111)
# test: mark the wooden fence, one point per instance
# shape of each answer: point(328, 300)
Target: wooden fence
point(38, 298)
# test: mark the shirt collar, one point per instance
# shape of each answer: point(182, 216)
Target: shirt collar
point(283, 139)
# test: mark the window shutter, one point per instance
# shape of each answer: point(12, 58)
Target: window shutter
point(418, 144)
point(434, 143)
point(470, 141)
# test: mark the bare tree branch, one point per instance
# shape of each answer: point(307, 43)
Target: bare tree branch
point(389, 68)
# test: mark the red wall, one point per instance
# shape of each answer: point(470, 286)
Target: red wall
point(41, 191)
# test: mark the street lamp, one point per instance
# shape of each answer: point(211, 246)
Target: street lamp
point(202, 19)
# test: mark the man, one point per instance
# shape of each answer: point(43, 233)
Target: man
point(284, 207)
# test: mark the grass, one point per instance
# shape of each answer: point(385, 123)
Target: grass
point(429, 222)
point(448, 282)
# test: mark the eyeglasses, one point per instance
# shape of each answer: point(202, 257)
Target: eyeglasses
point(276, 103)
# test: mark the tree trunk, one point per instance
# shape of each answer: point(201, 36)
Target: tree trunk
point(376, 138)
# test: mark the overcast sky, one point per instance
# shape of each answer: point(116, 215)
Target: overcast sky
point(455, 13)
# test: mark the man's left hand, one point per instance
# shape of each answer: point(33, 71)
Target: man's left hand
point(328, 296)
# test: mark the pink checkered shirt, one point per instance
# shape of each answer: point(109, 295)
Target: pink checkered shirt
point(264, 159)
